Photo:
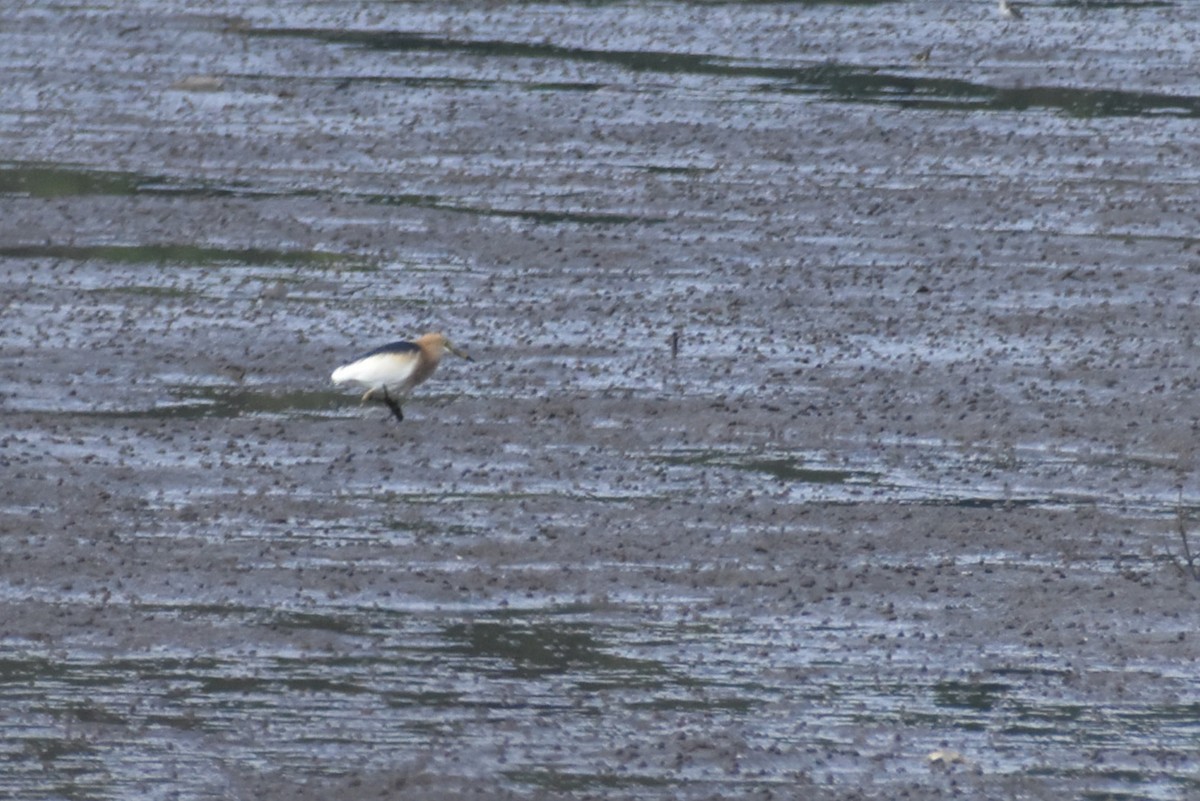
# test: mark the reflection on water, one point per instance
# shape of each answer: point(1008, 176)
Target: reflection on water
point(542, 217)
point(52, 181)
point(58, 180)
point(871, 85)
point(841, 82)
point(981, 696)
point(782, 468)
point(522, 650)
point(175, 255)
point(48, 181)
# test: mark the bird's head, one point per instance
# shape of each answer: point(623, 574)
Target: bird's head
point(437, 343)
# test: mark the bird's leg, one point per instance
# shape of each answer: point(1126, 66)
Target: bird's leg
point(393, 404)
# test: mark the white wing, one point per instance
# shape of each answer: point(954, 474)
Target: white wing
point(378, 370)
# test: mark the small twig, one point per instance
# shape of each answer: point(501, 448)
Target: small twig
point(1188, 560)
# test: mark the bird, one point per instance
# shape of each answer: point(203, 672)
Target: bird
point(1009, 10)
point(391, 371)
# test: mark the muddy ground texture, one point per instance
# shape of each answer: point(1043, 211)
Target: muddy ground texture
point(917, 478)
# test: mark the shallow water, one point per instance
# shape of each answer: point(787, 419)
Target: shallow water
point(914, 479)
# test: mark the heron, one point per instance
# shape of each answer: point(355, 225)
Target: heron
point(388, 373)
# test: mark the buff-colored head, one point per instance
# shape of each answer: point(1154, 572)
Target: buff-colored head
point(434, 345)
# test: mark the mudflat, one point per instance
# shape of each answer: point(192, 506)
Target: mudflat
point(833, 402)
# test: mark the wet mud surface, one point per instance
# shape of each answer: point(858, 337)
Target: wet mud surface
point(913, 480)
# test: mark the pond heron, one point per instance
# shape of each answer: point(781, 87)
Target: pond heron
point(391, 371)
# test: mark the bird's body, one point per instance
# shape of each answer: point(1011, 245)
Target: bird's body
point(394, 367)
point(388, 373)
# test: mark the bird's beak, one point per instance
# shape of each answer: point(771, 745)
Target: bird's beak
point(462, 354)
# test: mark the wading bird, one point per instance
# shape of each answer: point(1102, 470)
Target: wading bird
point(390, 372)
